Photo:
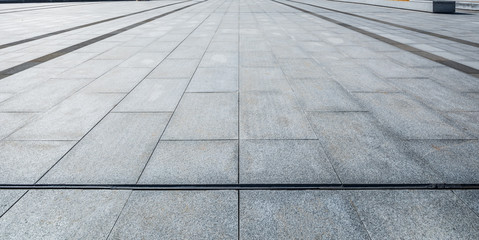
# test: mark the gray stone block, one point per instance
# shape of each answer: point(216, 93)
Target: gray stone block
point(258, 59)
point(284, 161)
point(408, 118)
point(468, 121)
point(470, 198)
point(272, 115)
point(415, 214)
point(298, 214)
point(144, 60)
point(119, 79)
point(90, 69)
point(362, 153)
point(219, 59)
point(214, 80)
point(10, 122)
point(69, 120)
point(114, 152)
point(154, 95)
point(179, 214)
point(61, 214)
point(24, 162)
point(302, 68)
point(8, 198)
point(193, 162)
point(357, 79)
point(204, 116)
point(175, 68)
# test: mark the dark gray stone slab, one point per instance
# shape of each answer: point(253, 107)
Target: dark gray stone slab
point(219, 59)
point(452, 78)
point(69, 120)
point(24, 162)
point(284, 161)
point(272, 115)
point(119, 79)
point(298, 214)
point(175, 68)
point(301, 68)
point(8, 198)
point(454, 161)
point(214, 80)
point(154, 95)
point(408, 118)
point(12, 121)
point(179, 214)
point(437, 96)
point(193, 162)
point(415, 214)
point(44, 96)
point(63, 214)
point(114, 152)
point(470, 198)
point(323, 95)
point(204, 116)
point(361, 153)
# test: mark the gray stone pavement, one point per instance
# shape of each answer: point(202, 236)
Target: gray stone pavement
point(230, 93)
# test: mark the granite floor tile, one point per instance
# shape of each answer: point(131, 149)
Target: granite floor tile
point(8, 198)
point(114, 152)
point(13, 121)
point(214, 80)
point(119, 79)
point(175, 68)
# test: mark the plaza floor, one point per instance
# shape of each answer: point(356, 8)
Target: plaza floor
point(238, 119)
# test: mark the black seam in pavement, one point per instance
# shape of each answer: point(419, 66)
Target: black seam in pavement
point(11, 44)
point(438, 59)
point(204, 187)
point(458, 40)
point(32, 63)
point(43, 7)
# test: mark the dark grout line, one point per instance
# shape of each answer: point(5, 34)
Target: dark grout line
point(11, 44)
point(32, 63)
point(438, 59)
point(458, 40)
point(218, 187)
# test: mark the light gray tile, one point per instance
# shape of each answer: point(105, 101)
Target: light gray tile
point(44, 96)
point(258, 59)
point(323, 95)
point(272, 115)
point(61, 214)
point(5, 96)
point(24, 162)
point(284, 161)
point(187, 51)
point(193, 162)
point(175, 68)
point(114, 152)
point(468, 121)
point(214, 80)
point(8, 198)
point(204, 116)
point(90, 69)
point(12, 121)
point(298, 214)
point(154, 95)
point(69, 120)
point(302, 68)
point(408, 118)
point(120, 53)
point(361, 153)
point(389, 69)
point(144, 60)
point(179, 214)
point(356, 78)
point(119, 79)
point(415, 214)
point(219, 59)
point(470, 198)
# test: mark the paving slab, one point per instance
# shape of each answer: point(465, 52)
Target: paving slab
point(204, 116)
point(5, 96)
point(193, 162)
point(408, 118)
point(60, 214)
point(175, 68)
point(219, 59)
point(467, 121)
point(119, 79)
point(454, 161)
point(354, 78)
point(362, 153)
point(284, 161)
point(114, 152)
point(10, 122)
point(411, 214)
point(8, 198)
point(272, 115)
point(301, 68)
point(298, 214)
point(323, 95)
point(90, 69)
point(214, 80)
point(44, 96)
point(179, 214)
point(263, 79)
point(69, 120)
point(470, 198)
point(24, 162)
point(144, 60)
point(258, 59)
point(154, 95)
